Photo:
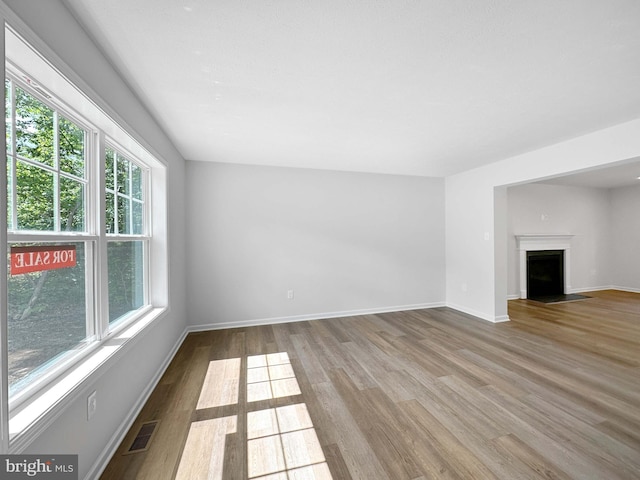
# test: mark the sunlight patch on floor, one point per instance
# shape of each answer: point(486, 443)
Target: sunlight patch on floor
point(221, 384)
point(270, 376)
point(203, 454)
point(281, 442)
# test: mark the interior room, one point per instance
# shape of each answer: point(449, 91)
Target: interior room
point(282, 240)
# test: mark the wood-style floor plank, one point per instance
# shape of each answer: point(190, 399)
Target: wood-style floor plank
point(425, 394)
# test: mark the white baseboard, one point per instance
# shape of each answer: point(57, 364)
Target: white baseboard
point(307, 317)
point(626, 289)
point(607, 287)
point(592, 289)
point(480, 315)
point(117, 438)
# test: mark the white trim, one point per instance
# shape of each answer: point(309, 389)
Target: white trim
point(626, 289)
point(116, 439)
point(608, 287)
point(308, 317)
point(592, 289)
point(480, 315)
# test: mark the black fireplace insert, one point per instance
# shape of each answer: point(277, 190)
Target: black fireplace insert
point(545, 274)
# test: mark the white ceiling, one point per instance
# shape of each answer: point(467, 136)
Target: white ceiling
point(413, 87)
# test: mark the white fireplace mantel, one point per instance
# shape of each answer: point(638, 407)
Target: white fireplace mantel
point(536, 242)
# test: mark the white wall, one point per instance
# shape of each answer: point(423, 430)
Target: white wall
point(475, 258)
point(344, 242)
point(556, 209)
point(625, 227)
point(122, 381)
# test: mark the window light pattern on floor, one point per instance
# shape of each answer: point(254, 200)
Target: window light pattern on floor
point(221, 384)
point(282, 443)
point(203, 453)
point(270, 376)
point(282, 439)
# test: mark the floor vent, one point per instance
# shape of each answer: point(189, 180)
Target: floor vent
point(143, 438)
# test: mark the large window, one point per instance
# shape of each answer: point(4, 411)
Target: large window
point(78, 235)
point(86, 249)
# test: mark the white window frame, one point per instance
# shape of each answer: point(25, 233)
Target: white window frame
point(21, 423)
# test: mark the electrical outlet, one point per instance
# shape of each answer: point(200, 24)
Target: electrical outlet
point(289, 294)
point(92, 404)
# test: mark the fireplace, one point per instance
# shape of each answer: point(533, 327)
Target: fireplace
point(541, 247)
point(545, 273)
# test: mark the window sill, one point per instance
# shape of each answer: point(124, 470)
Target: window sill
point(42, 410)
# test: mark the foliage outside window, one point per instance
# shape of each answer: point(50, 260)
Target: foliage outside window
point(46, 165)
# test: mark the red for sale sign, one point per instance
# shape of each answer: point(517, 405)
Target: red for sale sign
point(37, 259)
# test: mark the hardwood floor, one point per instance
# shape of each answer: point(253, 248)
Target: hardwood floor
point(554, 394)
